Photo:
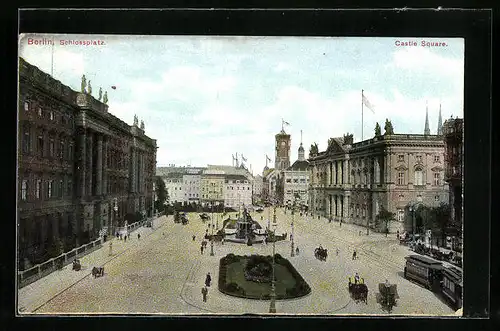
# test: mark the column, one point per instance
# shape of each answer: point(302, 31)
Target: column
point(339, 174)
point(90, 142)
point(345, 173)
point(376, 171)
point(104, 187)
point(335, 205)
point(99, 165)
point(82, 162)
point(346, 207)
point(386, 171)
point(341, 207)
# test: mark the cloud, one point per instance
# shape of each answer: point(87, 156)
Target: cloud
point(423, 59)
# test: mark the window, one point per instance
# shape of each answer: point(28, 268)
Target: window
point(49, 188)
point(51, 115)
point(26, 105)
point(419, 158)
point(51, 148)
point(26, 140)
point(436, 158)
point(40, 113)
point(401, 215)
point(24, 189)
point(419, 177)
point(295, 180)
point(40, 145)
point(401, 158)
point(436, 198)
point(437, 178)
point(37, 188)
point(61, 149)
point(401, 178)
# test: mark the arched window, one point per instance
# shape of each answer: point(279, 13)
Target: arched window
point(419, 176)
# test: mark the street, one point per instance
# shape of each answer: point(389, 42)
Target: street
point(163, 272)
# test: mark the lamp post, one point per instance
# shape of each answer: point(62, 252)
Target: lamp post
point(115, 208)
point(212, 238)
point(293, 237)
point(272, 306)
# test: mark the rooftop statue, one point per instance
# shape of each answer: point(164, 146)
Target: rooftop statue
point(84, 83)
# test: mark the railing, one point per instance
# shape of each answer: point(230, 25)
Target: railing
point(33, 274)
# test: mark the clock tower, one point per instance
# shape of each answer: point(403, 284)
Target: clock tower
point(282, 159)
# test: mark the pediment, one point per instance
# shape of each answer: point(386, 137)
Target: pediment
point(401, 167)
point(437, 168)
point(334, 147)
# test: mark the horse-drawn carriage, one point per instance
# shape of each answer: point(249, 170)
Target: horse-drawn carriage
point(358, 290)
point(77, 266)
point(183, 218)
point(97, 271)
point(321, 253)
point(388, 295)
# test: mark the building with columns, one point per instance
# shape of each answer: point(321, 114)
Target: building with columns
point(350, 182)
point(76, 163)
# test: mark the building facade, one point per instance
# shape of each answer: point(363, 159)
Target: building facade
point(282, 150)
point(237, 191)
point(453, 133)
point(295, 181)
point(257, 188)
point(350, 182)
point(212, 187)
point(192, 182)
point(80, 169)
point(174, 184)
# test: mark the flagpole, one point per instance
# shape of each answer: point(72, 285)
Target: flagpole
point(361, 115)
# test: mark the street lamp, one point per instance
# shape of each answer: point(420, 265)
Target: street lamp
point(272, 306)
point(212, 238)
point(293, 237)
point(115, 208)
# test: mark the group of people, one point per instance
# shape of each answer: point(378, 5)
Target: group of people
point(204, 290)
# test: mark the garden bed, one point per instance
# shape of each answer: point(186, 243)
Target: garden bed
point(235, 278)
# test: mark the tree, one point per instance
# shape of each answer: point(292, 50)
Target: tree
point(385, 217)
point(378, 132)
point(441, 220)
point(161, 194)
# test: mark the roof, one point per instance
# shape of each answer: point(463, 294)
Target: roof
point(424, 260)
point(454, 274)
point(173, 175)
point(236, 177)
point(299, 165)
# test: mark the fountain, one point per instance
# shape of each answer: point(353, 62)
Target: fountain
point(247, 231)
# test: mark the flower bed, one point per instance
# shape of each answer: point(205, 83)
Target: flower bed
point(250, 277)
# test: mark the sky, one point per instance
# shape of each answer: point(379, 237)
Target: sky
point(205, 98)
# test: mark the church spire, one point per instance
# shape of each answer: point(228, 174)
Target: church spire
point(301, 149)
point(440, 122)
point(427, 131)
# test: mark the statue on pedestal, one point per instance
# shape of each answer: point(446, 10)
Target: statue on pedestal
point(142, 125)
point(136, 120)
point(89, 89)
point(105, 99)
point(84, 83)
point(100, 94)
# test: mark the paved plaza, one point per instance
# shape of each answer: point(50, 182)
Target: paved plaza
point(163, 272)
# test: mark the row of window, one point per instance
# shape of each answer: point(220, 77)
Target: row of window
point(418, 158)
point(296, 191)
point(62, 149)
point(296, 180)
point(419, 178)
point(45, 189)
point(449, 284)
point(417, 270)
point(51, 115)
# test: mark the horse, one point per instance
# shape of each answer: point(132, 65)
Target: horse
point(97, 271)
point(358, 291)
point(321, 253)
point(77, 265)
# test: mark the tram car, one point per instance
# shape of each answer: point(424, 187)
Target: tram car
point(424, 271)
point(452, 286)
point(437, 277)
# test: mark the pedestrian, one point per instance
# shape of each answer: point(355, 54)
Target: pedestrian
point(201, 249)
point(204, 292)
point(354, 255)
point(222, 241)
point(297, 250)
point(337, 251)
point(208, 280)
point(340, 223)
point(194, 237)
point(291, 237)
point(139, 236)
point(125, 238)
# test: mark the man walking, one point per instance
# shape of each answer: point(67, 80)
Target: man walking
point(201, 248)
point(208, 280)
point(204, 292)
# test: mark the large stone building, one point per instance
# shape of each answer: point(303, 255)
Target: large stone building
point(212, 187)
point(350, 182)
point(453, 133)
point(80, 169)
point(258, 184)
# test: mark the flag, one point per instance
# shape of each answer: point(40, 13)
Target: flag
point(286, 123)
point(368, 104)
point(113, 87)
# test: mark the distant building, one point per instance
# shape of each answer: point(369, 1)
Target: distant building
point(258, 184)
point(212, 187)
point(237, 191)
point(350, 182)
point(174, 184)
point(192, 183)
